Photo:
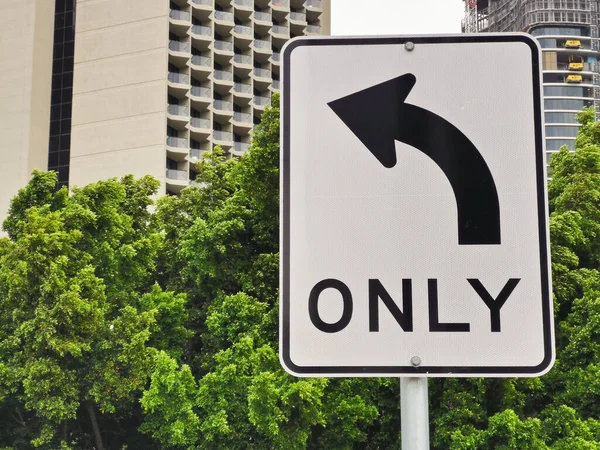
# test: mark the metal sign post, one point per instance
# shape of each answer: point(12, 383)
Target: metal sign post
point(414, 413)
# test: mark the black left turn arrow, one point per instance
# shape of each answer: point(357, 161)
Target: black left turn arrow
point(379, 115)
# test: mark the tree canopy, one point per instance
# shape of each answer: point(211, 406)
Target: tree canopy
point(126, 323)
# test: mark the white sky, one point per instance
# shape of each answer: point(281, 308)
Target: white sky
point(372, 17)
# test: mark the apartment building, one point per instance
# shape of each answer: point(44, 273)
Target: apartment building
point(567, 31)
point(26, 39)
point(101, 88)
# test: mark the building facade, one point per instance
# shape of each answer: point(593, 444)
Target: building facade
point(567, 31)
point(101, 88)
point(26, 39)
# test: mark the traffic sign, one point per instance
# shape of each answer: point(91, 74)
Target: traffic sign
point(414, 225)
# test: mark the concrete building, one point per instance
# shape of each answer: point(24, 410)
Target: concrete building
point(26, 36)
point(101, 88)
point(567, 31)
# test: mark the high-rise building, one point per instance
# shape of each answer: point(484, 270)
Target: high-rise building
point(567, 31)
point(101, 88)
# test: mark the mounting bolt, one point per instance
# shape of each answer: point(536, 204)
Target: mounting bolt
point(415, 361)
point(409, 46)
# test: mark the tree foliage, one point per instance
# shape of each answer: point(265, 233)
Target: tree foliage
point(77, 312)
point(561, 409)
point(125, 324)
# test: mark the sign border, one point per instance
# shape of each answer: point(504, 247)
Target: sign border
point(439, 371)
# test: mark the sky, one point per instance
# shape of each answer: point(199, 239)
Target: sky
point(376, 17)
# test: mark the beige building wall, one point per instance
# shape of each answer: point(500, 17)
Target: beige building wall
point(119, 90)
point(26, 37)
point(326, 18)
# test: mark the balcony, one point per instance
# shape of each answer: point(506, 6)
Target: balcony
point(280, 5)
point(177, 178)
point(242, 117)
point(200, 129)
point(175, 174)
point(223, 47)
point(313, 29)
point(177, 143)
point(299, 18)
point(222, 106)
point(239, 148)
point(200, 124)
point(276, 58)
point(263, 18)
point(201, 62)
point(276, 85)
point(243, 31)
point(196, 153)
point(203, 4)
point(178, 115)
point(176, 110)
point(200, 92)
point(315, 5)
point(241, 88)
point(262, 46)
point(177, 148)
point(243, 4)
point(262, 75)
point(221, 76)
point(200, 97)
point(225, 18)
point(242, 60)
point(179, 47)
point(242, 120)
point(178, 78)
point(201, 32)
point(222, 136)
point(180, 16)
point(280, 32)
point(261, 102)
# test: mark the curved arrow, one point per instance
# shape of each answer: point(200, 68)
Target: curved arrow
point(379, 115)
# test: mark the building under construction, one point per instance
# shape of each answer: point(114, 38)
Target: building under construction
point(567, 31)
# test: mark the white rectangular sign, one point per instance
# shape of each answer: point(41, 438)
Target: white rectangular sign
point(414, 230)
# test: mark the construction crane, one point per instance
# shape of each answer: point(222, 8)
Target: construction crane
point(475, 16)
point(470, 20)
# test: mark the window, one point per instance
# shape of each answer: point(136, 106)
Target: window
point(172, 132)
point(547, 43)
point(562, 31)
point(554, 131)
point(556, 144)
point(575, 105)
point(564, 91)
point(59, 141)
point(560, 117)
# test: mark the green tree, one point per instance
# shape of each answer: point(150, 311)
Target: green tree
point(222, 251)
point(75, 329)
point(169, 404)
point(561, 409)
point(93, 352)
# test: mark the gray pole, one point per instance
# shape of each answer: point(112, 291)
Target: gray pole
point(414, 413)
